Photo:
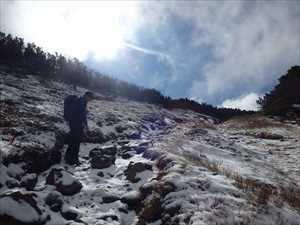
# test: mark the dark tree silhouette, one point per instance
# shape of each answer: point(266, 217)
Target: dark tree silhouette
point(285, 94)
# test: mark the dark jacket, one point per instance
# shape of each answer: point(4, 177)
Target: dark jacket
point(82, 111)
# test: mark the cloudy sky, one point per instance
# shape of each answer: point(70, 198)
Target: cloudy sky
point(226, 53)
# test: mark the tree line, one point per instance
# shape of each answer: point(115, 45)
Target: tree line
point(32, 59)
point(285, 96)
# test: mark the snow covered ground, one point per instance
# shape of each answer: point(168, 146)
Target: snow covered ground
point(169, 167)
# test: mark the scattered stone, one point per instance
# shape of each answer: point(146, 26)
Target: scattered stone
point(128, 154)
point(147, 188)
point(64, 182)
point(151, 154)
point(55, 200)
point(95, 136)
point(164, 162)
point(103, 157)
point(267, 135)
point(12, 183)
point(110, 217)
point(134, 168)
point(110, 199)
point(70, 214)
point(123, 142)
point(100, 174)
point(164, 188)
point(105, 150)
point(36, 158)
point(132, 199)
point(196, 132)
point(121, 129)
point(29, 181)
point(140, 149)
point(134, 135)
point(15, 171)
point(152, 209)
point(101, 162)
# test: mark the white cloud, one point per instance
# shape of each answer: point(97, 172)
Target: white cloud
point(252, 44)
point(241, 46)
point(244, 102)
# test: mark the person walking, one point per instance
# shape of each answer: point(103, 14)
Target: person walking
point(75, 113)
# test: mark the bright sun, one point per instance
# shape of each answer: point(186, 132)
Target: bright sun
point(100, 28)
point(79, 28)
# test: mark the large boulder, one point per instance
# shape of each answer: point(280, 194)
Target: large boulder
point(64, 181)
point(103, 157)
point(21, 208)
point(36, 158)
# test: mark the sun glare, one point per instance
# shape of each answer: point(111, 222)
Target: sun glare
point(80, 28)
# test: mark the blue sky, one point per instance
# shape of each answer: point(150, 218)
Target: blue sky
point(223, 53)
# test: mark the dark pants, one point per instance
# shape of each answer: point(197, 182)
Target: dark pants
point(74, 139)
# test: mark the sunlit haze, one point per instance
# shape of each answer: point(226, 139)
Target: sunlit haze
point(75, 28)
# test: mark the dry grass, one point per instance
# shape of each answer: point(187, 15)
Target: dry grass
point(256, 121)
point(203, 125)
point(265, 135)
point(258, 192)
point(201, 160)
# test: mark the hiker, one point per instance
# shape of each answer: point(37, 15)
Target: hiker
point(76, 114)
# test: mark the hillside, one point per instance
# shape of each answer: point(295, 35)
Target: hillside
point(141, 163)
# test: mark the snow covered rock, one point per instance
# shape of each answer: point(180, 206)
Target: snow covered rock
point(12, 183)
point(164, 162)
point(36, 158)
point(21, 208)
point(103, 157)
point(132, 199)
point(54, 200)
point(127, 151)
point(110, 198)
point(64, 181)
point(151, 154)
point(95, 136)
point(69, 214)
point(29, 181)
point(15, 171)
point(134, 168)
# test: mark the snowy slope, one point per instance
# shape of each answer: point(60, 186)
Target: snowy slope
point(170, 167)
